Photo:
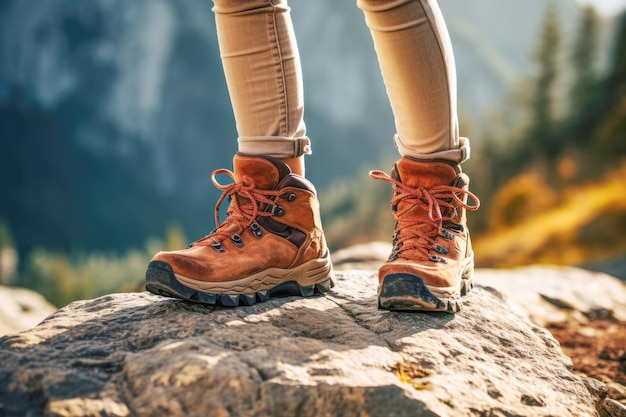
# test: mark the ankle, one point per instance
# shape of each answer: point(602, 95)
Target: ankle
point(296, 164)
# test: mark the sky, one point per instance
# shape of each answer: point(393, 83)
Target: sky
point(606, 7)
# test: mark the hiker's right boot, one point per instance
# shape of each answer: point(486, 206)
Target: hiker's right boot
point(271, 243)
point(432, 263)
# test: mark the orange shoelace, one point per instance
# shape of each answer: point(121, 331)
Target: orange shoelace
point(418, 233)
point(247, 202)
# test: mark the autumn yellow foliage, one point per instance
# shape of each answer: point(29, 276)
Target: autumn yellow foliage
point(535, 224)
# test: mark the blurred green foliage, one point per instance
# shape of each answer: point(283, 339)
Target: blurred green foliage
point(6, 239)
point(63, 278)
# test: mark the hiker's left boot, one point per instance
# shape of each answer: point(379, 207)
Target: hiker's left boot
point(270, 245)
point(432, 263)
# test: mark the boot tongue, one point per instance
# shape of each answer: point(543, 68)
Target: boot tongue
point(266, 172)
point(417, 174)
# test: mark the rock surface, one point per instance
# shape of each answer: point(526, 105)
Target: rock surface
point(585, 311)
point(551, 294)
point(142, 355)
point(545, 294)
point(21, 309)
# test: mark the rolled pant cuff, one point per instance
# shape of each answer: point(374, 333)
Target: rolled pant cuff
point(458, 155)
point(274, 146)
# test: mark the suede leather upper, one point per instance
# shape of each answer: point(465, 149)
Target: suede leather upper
point(431, 239)
point(268, 247)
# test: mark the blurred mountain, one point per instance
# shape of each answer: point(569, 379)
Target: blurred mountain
point(114, 113)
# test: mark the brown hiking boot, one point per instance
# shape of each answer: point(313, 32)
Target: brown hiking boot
point(271, 243)
point(431, 264)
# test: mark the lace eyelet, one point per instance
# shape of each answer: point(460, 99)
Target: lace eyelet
point(290, 197)
point(441, 249)
point(446, 234)
point(256, 229)
point(218, 247)
point(278, 211)
point(436, 258)
point(237, 239)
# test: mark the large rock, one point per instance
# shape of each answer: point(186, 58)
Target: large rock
point(142, 355)
point(551, 294)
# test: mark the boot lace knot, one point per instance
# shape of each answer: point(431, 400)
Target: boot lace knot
point(247, 203)
point(422, 214)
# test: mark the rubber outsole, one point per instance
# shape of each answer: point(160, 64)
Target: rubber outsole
point(160, 280)
point(407, 292)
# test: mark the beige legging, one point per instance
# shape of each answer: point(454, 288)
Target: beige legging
point(262, 67)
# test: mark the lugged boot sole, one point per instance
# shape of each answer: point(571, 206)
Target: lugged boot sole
point(161, 280)
point(408, 292)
